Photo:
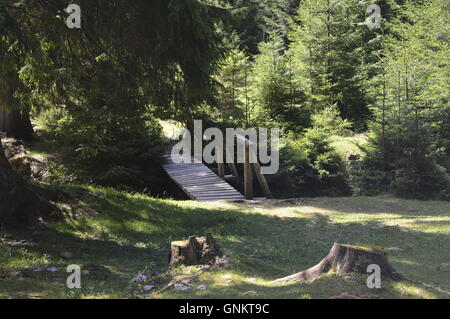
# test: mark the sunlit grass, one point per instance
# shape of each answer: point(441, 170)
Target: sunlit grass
point(125, 234)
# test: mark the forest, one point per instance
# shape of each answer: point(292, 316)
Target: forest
point(94, 96)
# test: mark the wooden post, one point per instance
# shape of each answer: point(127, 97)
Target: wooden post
point(220, 162)
point(262, 180)
point(248, 177)
point(231, 164)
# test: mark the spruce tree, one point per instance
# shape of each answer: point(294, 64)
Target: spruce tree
point(411, 95)
point(279, 98)
point(331, 46)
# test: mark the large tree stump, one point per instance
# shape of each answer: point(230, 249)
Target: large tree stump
point(194, 251)
point(344, 259)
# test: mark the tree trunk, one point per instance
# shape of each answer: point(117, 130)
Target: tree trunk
point(21, 203)
point(344, 259)
point(16, 124)
point(194, 251)
point(14, 118)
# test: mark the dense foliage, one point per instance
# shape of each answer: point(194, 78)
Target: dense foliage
point(408, 152)
point(312, 68)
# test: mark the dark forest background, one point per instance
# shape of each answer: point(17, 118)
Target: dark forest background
point(100, 96)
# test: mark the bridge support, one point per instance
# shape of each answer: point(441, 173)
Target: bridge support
point(250, 166)
point(248, 176)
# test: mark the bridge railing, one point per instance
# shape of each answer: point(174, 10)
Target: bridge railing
point(250, 166)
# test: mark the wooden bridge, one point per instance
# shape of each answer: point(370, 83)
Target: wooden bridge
point(201, 183)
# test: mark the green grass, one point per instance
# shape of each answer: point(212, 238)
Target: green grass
point(120, 235)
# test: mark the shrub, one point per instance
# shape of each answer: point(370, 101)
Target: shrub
point(400, 162)
point(330, 121)
point(309, 166)
point(116, 151)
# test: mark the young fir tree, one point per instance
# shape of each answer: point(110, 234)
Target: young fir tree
point(412, 95)
point(331, 46)
point(280, 100)
point(234, 81)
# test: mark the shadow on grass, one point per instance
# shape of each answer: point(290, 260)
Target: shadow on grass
point(134, 232)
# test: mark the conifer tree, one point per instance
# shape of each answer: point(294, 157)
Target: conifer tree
point(411, 96)
point(280, 100)
point(234, 84)
point(331, 45)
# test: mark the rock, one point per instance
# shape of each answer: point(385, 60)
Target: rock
point(66, 255)
point(181, 288)
point(227, 276)
point(16, 275)
point(140, 278)
point(21, 164)
point(405, 293)
point(224, 262)
point(202, 287)
point(251, 292)
point(251, 279)
point(12, 147)
point(148, 288)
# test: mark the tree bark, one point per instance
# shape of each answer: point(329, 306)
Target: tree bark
point(194, 251)
point(344, 259)
point(16, 124)
point(21, 203)
point(14, 118)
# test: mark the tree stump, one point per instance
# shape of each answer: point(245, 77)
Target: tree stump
point(344, 259)
point(194, 251)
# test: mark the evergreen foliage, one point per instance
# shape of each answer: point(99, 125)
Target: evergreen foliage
point(312, 68)
point(411, 103)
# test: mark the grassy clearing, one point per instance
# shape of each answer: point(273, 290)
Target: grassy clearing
point(121, 235)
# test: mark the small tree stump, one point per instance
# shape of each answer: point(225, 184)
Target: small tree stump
point(344, 259)
point(194, 251)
